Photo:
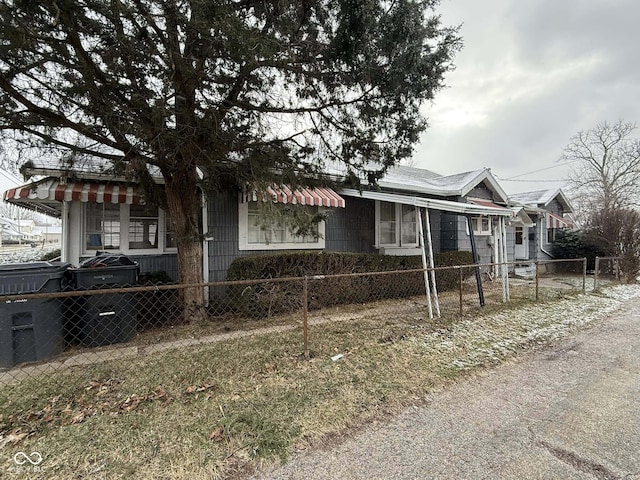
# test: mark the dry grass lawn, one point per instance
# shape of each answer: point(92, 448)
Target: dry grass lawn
point(223, 409)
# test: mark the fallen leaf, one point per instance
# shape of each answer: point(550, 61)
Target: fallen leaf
point(78, 418)
point(12, 439)
point(216, 435)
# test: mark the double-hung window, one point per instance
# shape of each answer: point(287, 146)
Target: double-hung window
point(396, 225)
point(102, 226)
point(481, 225)
point(126, 228)
point(256, 233)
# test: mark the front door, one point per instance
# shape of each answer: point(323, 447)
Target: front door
point(522, 243)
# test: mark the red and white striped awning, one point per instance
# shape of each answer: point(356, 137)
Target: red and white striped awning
point(51, 189)
point(555, 221)
point(319, 196)
point(485, 203)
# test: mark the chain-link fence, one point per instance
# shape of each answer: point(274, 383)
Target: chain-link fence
point(53, 317)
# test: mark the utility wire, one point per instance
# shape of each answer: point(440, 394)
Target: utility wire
point(528, 181)
point(539, 170)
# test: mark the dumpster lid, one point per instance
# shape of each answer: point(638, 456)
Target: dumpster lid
point(30, 277)
point(33, 267)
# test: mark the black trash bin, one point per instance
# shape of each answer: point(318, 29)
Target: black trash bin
point(104, 319)
point(31, 329)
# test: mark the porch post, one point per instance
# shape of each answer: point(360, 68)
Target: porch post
point(497, 253)
point(505, 258)
point(431, 261)
point(424, 261)
point(64, 247)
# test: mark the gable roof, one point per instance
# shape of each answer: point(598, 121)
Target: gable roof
point(542, 199)
point(410, 179)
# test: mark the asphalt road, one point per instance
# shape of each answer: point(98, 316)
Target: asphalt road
point(568, 412)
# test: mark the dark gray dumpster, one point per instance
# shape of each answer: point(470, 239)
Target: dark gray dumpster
point(31, 329)
point(104, 319)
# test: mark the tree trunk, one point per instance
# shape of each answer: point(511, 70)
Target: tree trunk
point(184, 206)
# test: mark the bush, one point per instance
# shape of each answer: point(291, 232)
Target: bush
point(158, 308)
point(270, 298)
point(52, 255)
point(616, 232)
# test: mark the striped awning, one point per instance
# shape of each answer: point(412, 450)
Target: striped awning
point(485, 203)
point(319, 196)
point(555, 221)
point(51, 189)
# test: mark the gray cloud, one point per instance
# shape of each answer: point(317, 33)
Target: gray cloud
point(531, 75)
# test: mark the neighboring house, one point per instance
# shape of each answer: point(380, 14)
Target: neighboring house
point(19, 231)
point(51, 233)
point(101, 212)
point(550, 212)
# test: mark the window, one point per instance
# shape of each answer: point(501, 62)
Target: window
point(143, 227)
point(254, 235)
point(552, 234)
point(387, 223)
point(481, 225)
point(102, 230)
point(126, 228)
point(519, 236)
point(396, 225)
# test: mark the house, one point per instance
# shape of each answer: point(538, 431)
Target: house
point(549, 211)
point(19, 231)
point(104, 212)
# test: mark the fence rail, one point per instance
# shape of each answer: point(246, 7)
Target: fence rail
point(51, 330)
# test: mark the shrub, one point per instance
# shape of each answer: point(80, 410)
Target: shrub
point(52, 255)
point(158, 308)
point(270, 298)
point(616, 232)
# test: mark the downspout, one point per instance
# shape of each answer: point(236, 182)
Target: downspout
point(205, 246)
point(542, 249)
point(476, 260)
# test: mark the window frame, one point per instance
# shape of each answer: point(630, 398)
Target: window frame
point(125, 214)
point(476, 221)
point(519, 232)
point(398, 227)
point(243, 235)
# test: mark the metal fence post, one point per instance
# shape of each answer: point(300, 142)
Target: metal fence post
point(595, 274)
point(460, 289)
point(537, 263)
point(584, 275)
point(305, 314)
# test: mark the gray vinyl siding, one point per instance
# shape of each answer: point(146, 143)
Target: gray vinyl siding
point(223, 229)
point(435, 221)
point(534, 237)
point(167, 263)
point(449, 232)
point(349, 229)
point(481, 191)
point(555, 207)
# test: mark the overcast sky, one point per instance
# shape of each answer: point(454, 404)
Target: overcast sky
point(531, 75)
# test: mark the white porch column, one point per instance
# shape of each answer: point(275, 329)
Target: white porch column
point(431, 262)
point(424, 260)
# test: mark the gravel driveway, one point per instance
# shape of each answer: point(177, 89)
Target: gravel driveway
point(570, 411)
